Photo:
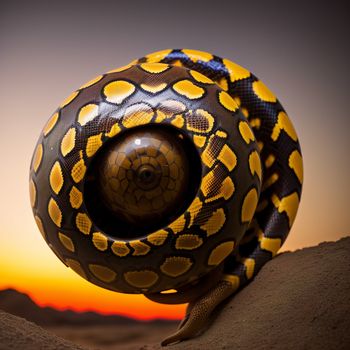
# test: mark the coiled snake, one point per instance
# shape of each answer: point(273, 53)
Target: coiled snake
point(177, 176)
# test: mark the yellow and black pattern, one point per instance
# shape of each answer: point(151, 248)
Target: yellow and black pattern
point(280, 169)
point(150, 176)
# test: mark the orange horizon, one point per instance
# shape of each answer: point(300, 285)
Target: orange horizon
point(176, 315)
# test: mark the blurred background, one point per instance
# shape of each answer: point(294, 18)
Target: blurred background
point(50, 48)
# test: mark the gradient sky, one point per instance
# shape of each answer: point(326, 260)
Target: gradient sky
point(48, 49)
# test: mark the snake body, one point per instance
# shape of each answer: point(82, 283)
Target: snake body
point(178, 171)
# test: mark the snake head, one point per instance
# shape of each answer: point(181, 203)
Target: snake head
point(145, 178)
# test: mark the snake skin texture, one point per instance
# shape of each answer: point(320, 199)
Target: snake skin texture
point(178, 172)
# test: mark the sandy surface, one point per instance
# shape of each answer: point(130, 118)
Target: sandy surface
point(17, 333)
point(115, 337)
point(299, 300)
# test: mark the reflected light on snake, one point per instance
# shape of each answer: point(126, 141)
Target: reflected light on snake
point(177, 176)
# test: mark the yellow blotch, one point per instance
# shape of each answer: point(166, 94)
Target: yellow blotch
point(200, 77)
point(120, 248)
point(83, 223)
point(139, 247)
point(115, 129)
point(103, 273)
point(296, 163)
point(288, 204)
point(207, 182)
point(227, 101)
point(201, 122)
point(68, 142)
point(207, 155)
point(177, 63)
point(93, 144)
point(227, 157)
point(283, 122)
point(220, 253)
point(154, 68)
point(66, 242)
point(223, 84)
point(188, 89)
point(270, 244)
point(138, 114)
point(175, 266)
point(232, 279)
point(246, 114)
point(263, 92)
point(75, 198)
point(87, 113)
point(270, 160)
point(236, 71)
point(254, 123)
point(32, 193)
point(246, 132)
point(188, 242)
point(76, 267)
point(40, 225)
point(38, 156)
point(55, 212)
point(221, 133)
point(120, 69)
point(194, 209)
point(78, 171)
point(160, 116)
point(141, 279)
point(100, 241)
point(56, 177)
point(157, 56)
point(215, 222)
point(269, 181)
point(226, 190)
point(169, 291)
point(249, 267)
point(255, 164)
point(178, 121)
point(153, 89)
point(51, 124)
point(117, 91)
point(158, 238)
point(178, 225)
point(196, 55)
point(69, 99)
point(91, 82)
point(249, 205)
point(199, 140)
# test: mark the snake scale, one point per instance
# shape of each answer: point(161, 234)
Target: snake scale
point(177, 176)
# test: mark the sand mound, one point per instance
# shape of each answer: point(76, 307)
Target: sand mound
point(299, 300)
point(17, 333)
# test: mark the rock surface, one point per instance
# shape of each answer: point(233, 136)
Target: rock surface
point(299, 300)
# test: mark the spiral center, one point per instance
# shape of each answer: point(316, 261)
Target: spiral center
point(142, 180)
point(147, 177)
